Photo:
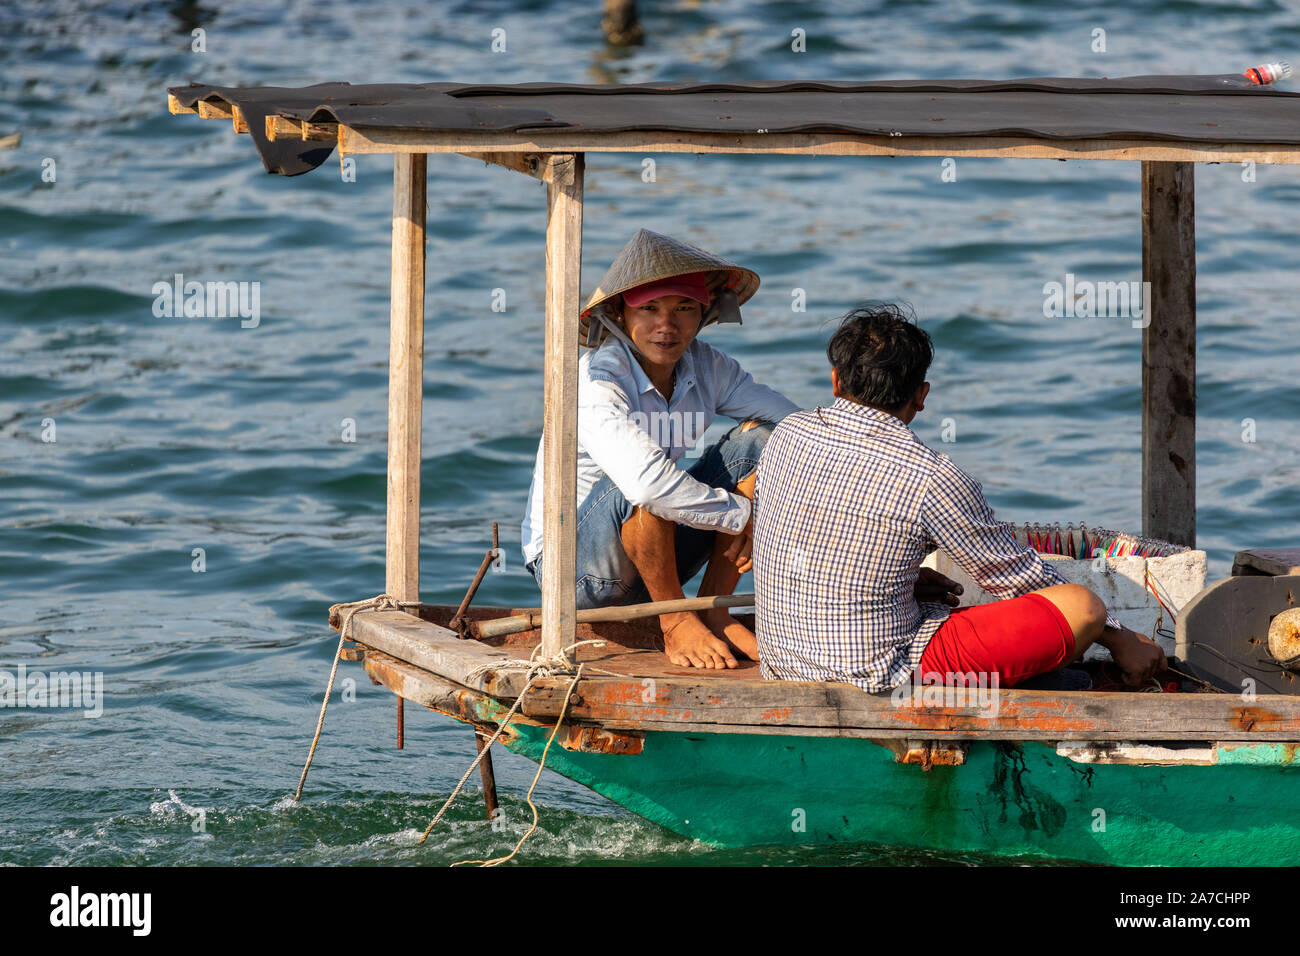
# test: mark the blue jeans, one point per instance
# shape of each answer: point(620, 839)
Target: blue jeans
point(606, 575)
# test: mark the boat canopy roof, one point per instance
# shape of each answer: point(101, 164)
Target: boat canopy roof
point(1172, 118)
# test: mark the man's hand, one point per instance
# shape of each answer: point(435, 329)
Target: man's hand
point(934, 588)
point(1138, 657)
point(741, 548)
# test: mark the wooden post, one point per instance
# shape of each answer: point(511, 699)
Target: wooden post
point(560, 417)
point(487, 774)
point(405, 378)
point(1169, 353)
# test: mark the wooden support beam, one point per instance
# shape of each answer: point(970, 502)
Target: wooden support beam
point(285, 127)
point(406, 378)
point(374, 140)
point(319, 132)
point(237, 119)
point(721, 705)
point(281, 127)
point(214, 110)
point(439, 651)
point(1169, 353)
point(560, 416)
point(174, 105)
point(530, 164)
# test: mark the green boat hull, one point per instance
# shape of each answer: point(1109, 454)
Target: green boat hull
point(1009, 801)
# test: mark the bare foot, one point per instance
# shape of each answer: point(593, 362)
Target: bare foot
point(725, 626)
point(689, 643)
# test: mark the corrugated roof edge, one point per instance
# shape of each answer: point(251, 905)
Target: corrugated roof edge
point(448, 107)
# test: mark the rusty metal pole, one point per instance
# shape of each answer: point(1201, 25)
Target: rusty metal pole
point(457, 621)
point(401, 723)
point(489, 778)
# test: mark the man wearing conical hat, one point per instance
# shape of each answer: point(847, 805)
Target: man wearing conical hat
point(648, 389)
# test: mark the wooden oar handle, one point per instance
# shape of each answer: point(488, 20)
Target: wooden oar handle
point(498, 627)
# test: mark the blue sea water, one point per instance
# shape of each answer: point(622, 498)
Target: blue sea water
point(179, 434)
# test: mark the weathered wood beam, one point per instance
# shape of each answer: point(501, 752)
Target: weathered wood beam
point(174, 105)
point(500, 626)
point(213, 110)
point(811, 709)
point(530, 164)
point(825, 144)
point(281, 127)
point(319, 132)
point(285, 127)
point(438, 651)
point(727, 703)
point(406, 378)
point(560, 401)
point(799, 709)
point(420, 687)
point(1169, 353)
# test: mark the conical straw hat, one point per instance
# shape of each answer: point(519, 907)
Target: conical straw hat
point(650, 257)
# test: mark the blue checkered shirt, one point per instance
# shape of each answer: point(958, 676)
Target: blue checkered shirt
point(848, 502)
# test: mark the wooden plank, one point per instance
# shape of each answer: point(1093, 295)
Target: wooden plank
point(237, 119)
point(319, 132)
point(757, 706)
point(1274, 561)
point(438, 651)
point(499, 626)
point(217, 110)
point(420, 687)
point(405, 378)
point(281, 127)
point(530, 164)
point(1169, 353)
point(723, 703)
point(711, 705)
point(560, 401)
point(824, 144)
point(174, 105)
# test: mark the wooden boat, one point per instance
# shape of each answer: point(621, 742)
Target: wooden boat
point(728, 758)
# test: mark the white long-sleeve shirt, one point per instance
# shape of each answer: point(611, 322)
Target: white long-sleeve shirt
point(628, 431)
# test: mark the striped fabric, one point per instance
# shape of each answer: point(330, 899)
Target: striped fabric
point(848, 502)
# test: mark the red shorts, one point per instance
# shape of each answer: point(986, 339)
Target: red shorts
point(1014, 639)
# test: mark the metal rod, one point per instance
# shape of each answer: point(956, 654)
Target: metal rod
point(401, 723)
point(459, 616)
point(489, 778)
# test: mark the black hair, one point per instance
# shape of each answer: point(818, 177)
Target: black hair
point(881, 355)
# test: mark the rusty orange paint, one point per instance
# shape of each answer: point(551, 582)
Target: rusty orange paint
point(937, 719)
point(775, 715)
point(623, 692)
point(1249, 718)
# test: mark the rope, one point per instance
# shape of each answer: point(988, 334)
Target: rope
point(381, 602)
point(537, 668)
point(497, 861)
point(517, 663)
point(477, 760)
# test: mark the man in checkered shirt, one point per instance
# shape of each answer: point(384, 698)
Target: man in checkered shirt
point(849, 501)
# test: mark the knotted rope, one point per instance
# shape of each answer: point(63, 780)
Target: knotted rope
point(380, 602)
